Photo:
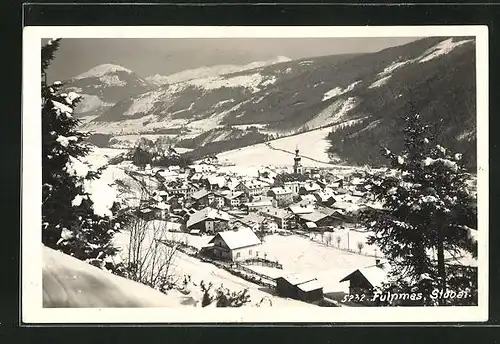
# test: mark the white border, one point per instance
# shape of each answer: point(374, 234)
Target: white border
point(32, 311)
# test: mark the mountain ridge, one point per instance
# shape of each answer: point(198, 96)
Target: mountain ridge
point(364, 91)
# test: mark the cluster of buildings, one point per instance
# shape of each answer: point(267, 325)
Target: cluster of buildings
point(239, 210)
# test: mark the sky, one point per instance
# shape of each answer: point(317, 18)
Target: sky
point(149, 56)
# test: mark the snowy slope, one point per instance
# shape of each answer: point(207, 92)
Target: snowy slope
point(69, 282)
point(313, 147)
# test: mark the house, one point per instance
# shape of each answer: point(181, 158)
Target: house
point(309, 188)
point(161, 210)
point(173, 226)
point(208, 220)
point(196, 177)
point(166, 176)
point(252, 220)
point(177, 151)
point(364, 281)
point(322, 217)
point(202, 198)
point(235, 245)
point(258, 202)
point(294, 186)
point(253, 187)
point(298, 287)
point(146, 214)
point(358, 193)
point(192, 188)
point(300, 209)
point(202, 168)
point(231, 183)
point(325, 196)
point(214, 182)
point(177, 188)
point(282, 194)
point(234, 199)
point(283, 218)
point(307, 199)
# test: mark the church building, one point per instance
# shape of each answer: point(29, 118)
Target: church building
point(297, 166)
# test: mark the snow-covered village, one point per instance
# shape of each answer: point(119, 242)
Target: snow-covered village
point(185, 206)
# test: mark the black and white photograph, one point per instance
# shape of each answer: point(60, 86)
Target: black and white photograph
point(271, 174)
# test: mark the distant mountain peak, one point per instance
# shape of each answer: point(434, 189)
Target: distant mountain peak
point(102, 70)
point(212, 71)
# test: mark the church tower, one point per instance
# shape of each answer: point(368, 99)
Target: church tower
point(297, 166)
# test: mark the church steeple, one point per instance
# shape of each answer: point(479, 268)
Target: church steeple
point(297, 167)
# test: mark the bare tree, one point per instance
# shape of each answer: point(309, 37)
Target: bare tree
point(360, 246)
point(339, 239)
point(150, 255)
point(328, 239)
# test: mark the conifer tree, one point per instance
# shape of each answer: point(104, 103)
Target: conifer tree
point(69, 221)
point(429, 215)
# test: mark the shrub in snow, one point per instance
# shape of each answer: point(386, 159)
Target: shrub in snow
point(75, 220)
point(427, 207)
point(223, 297)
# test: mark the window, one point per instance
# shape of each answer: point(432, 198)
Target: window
point(238, 255)
point(250, 252)
point(256, 253)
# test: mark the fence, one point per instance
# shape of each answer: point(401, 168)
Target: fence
point(262, 262)
point(231, 267)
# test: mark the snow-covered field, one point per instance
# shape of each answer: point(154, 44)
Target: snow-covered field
point(303, 256)
point(313, 144)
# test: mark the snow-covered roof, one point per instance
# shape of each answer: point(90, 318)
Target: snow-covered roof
point(233, 195)
point(375, 274)
point(173, 226)
point(276, 212)
point(318, 214)
point(207, 214)
point(162, 206)
point(263, 203)
point(281, 190)
point(203, 168)
point(310, 286)
point(255, 184)
point(220, 181)
point(252, 218)
point(180, 150)
point(301, 209)
point(200, 194)
point(307, 199)
point(311, 186)
point(296, 279)
point(324, 195)
point(243, 237)
point(311, 225)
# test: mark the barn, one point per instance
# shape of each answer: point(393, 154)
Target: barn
point(299, 288)
point(365, 280)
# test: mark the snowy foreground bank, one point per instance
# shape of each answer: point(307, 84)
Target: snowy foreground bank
point(69, 282)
